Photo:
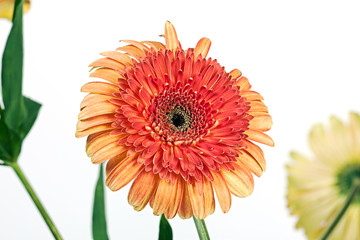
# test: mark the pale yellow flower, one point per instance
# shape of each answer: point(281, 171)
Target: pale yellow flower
point(319, 186)
point(7, 8)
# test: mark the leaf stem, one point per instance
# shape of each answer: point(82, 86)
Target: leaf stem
point(201, 229)
point(36, 200)
point(355, 190)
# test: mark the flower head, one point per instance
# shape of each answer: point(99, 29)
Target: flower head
point(176, 123)
point(7, 8)
point(320, 186)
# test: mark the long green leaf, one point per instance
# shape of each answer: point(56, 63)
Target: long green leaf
point(99, 217)
point(165, 231)
point(32, 108)
point(11, 74)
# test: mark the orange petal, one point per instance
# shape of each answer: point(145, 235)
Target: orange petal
point(118, 56)
point(93, 130)
point(171, 40)
point(96, 110)
point(132, 51)
point(261, 123)
point(222, 191)
point(113, 162)
point(256, 152)
point(123, 173)
point(137, 44)
point(100, 88)
point(93, 98)
point(95, 144)
point(250, 162)
point(107, 152)
point(107, 63)
point(202, 47)
point(259, 137)
point(235, 74)
point(251, 95)
point(175, 200)
point(197, 201)
point(107, 74)
point(82, 125)
point(162, 197)
point(258, 106)
point(209, 198)
point(185, 210)
point(243, 83)
point(240, 181)
point(155, 45)
point(142, 189)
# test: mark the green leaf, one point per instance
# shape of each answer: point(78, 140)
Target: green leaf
point(165, 231)
point(32, 108)
point(99, 218)
point(11, 74)
point(5, 147)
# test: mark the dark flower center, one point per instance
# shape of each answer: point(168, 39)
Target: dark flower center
point(346, 179)
point(180, 119)
point(178, 116)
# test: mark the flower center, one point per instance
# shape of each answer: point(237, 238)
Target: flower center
point(178, 116)
point(346, 180)
point(180, 119)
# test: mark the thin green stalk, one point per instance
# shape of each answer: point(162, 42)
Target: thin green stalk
point(36, 200)
point(355, 190)
point(201, 229)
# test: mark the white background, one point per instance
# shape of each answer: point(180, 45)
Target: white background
point(302, 56)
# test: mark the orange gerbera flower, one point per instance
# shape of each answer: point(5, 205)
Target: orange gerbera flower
point(176, 123)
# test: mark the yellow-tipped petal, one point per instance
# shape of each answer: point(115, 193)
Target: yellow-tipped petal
point(172, 42)
point(123, 173)
point(142, 189)
point(202, 47)
point(259, 137)
point(222, 191)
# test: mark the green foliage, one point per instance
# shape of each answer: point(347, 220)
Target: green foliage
point(99, 217)
point(165, 231)
point(19, 113)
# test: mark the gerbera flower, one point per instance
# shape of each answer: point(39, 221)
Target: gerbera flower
point(319, 187)
point(176, 123)
point(7, 8)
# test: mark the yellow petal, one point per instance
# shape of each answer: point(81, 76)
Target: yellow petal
point(7, 8)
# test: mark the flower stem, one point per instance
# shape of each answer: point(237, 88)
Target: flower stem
point(355, 190)
point(36, 200)
point(201, 229)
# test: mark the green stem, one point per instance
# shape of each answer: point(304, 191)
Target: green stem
point(201, 229)
point(355, 190)
point(36, 200)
